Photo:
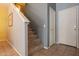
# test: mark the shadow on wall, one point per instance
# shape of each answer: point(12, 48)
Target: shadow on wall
point(62, 6)
point(21, 6)
point(37, 13)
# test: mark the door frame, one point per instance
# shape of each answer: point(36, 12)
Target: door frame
point(49, 26)
point(57, 27)
point(77, 25)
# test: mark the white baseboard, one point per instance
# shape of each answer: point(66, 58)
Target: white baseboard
point(46, 47)
point(14, 48)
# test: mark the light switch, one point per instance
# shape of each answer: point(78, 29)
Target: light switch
point(44, 25)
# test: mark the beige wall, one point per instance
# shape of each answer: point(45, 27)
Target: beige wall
point(3, 21)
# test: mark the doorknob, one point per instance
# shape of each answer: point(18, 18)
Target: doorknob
point(75, 28)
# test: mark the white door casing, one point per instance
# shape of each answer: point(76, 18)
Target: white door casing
point(77, 21)
point(51, 26)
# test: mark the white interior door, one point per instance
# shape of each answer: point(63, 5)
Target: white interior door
point(51, 26)
point(67, 26)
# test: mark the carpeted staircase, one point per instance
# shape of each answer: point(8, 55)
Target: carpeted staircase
point(34, 43)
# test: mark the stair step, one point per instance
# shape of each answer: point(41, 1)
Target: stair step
point(30, 28)
point(33, 36)
point(30, 32)
point(33, 50)
point(34, 42)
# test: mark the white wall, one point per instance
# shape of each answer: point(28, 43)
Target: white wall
point(59, 23)
point(67, 34)
point(19, 33)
